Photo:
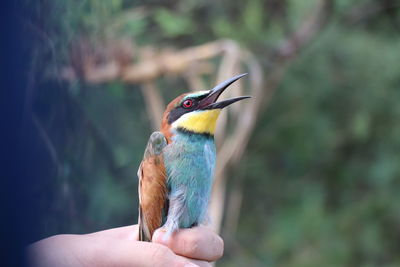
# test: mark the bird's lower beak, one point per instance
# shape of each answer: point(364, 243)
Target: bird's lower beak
point(209, 102)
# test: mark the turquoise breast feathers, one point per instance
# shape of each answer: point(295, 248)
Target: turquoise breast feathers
point(189, 161)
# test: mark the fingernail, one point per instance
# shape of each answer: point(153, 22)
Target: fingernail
point(189, 264)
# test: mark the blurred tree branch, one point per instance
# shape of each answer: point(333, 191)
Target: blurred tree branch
point(308, 29)
point(281, 57)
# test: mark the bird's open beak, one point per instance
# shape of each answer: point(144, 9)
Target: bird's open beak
point(209, 102)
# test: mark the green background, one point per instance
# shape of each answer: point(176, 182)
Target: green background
point(321, 175)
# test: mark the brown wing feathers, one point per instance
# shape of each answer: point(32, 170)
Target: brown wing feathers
point(152, 187)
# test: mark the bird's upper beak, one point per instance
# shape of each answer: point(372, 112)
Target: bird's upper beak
point(209, 102)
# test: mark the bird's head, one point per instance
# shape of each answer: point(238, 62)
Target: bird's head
point(197, 112)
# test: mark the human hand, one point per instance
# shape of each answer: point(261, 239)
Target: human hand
point(119, 247)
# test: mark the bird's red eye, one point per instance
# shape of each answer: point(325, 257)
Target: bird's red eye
point(188, 103)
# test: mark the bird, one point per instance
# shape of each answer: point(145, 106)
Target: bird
point(177, 170)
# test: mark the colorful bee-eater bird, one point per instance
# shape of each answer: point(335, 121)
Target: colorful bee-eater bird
point(176, 174)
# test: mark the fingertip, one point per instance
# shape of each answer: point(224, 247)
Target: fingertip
point(197, 242)
point(190, 264)
point(159, 236)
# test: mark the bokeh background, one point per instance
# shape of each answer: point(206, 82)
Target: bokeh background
point(318, 181)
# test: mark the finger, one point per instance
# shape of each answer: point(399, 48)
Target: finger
point(126, 232)
point(198, 243)
point(128, 253)
point(198, 262)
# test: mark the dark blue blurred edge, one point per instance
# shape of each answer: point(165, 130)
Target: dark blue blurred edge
point(21, 158)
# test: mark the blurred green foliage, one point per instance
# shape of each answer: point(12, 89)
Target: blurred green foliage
point(329, 148)
point(322, 172)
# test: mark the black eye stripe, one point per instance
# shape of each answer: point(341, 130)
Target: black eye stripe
point(177, 112)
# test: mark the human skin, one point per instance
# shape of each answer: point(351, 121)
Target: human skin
point(196, 246)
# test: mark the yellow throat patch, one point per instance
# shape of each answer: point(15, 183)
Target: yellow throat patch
point(202, 122)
